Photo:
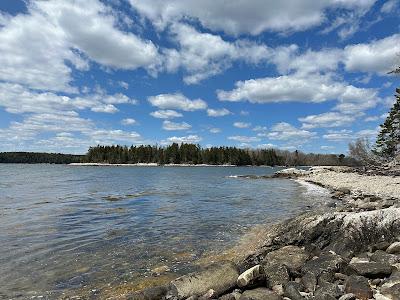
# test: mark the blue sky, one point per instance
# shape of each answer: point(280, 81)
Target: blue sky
point(307, 75)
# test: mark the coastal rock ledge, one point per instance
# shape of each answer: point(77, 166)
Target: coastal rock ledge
point(348, 251)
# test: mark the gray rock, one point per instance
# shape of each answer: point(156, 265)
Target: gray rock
point(392, 280)
point(340, 276)
point(392, 292)
point(329, 289)
point(326, 276)
point(292, 257)
point(358, 286)
point(383, 257)
point(325, 293)
point(372, 269)
point(211, 294)
point(376, 281)
point(235, 295)
point(380, 246)
point(394, 248)
point(309, 281)
point(324, 297)
point(327, 262)
point(348, 297)
point(275, 274)
point(291, 291)
point(219, 277)
point(249, 276)
point(152, 293)
point(259, 294)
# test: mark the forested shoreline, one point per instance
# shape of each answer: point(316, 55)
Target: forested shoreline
point(181, 154)
point(39, 158)
point(194, 154)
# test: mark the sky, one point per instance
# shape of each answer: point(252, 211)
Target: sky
point(306, 75)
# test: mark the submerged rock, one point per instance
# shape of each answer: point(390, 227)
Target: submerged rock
point(152, 293)
point(219, 277)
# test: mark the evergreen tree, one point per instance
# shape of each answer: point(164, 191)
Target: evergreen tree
point(388, 141)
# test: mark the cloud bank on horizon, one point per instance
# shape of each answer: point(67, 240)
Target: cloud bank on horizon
point(307, 75)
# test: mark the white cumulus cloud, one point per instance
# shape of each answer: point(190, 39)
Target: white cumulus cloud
point(166, 114)
point(218, 112)
point(169, 125)
point(177, 101)
point(247, 17)
point(241, 125)
point(189, 139)
point(329, 119)
point(35, 47)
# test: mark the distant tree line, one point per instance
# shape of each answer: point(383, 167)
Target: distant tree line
point(37, 158)
point(182, 154)
point(194, 154)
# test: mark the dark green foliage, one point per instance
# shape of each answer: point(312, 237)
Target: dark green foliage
point(181, 154)
point(37, 158)
point(194, 154)
point(388, 141)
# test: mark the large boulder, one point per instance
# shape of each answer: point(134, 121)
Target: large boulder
point(292, 257)
point(219, 277)
point(326, 262)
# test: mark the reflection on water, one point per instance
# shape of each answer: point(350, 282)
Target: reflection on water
point(64, 228)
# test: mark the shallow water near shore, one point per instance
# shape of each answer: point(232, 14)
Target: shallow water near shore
point(64, 229)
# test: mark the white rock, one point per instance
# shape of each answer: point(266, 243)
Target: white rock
point(381, 297)
point(394, 248)
point(356, 260)
point(278, 288)
point(249, 275)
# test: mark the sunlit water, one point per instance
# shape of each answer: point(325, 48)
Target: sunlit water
point(63, 228)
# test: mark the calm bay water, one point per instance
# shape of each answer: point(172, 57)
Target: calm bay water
point(63, 228)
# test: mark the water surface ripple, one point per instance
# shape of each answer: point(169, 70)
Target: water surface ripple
point(67, 227)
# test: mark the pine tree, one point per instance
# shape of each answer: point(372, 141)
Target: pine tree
point(388, 141)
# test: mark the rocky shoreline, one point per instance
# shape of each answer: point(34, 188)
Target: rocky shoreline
point(350, 251)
